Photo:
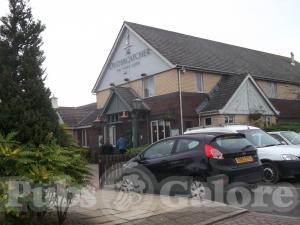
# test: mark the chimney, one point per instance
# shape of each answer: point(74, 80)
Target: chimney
point(54, 102)
point(292, 59)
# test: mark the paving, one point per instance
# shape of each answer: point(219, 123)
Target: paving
point(111, 207)
point(253, 218)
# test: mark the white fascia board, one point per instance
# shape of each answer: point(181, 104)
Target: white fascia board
point(263, 95)
point(249, 77)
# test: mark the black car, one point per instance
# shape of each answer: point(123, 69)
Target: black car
point(194, 159)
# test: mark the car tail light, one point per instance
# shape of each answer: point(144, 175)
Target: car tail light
point(211, 152)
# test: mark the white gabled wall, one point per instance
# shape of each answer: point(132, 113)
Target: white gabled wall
point(248, 99)
point(129, 58)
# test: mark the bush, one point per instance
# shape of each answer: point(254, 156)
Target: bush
point(285, 126)
point(50, 168)
point(135, 151)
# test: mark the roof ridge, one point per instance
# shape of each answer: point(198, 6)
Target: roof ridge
point(188, 35)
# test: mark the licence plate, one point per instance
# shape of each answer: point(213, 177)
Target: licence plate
point(244, 159)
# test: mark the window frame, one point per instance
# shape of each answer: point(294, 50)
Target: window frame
point(268, 121)
point(146, 81)
point(166, 123)
point(272, 89)
point(228, 118)
point(84, 139)
point(205, 118)
point(199, 82)
point(298, 93)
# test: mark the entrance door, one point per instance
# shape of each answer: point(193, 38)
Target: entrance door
point(160, 129)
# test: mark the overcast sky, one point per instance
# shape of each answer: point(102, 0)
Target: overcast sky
point(80, 34)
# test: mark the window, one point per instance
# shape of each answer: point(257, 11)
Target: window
point(160, 149)
point(112, 135)
point(199, 82)
point(160, 129)
point(229, 119)
point(84, 142)
point(207, 121)
point(113, 118)
point(259, 138)
point(279, 138)
point(184, 145)
point(272, 90)
point(148, 87)
point(268, 121)
point(187, 124)
point(232, 142)
point(292, 136)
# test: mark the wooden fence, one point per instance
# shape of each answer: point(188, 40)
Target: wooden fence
point(110, 168)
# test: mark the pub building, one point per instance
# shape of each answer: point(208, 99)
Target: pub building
point(157, 83)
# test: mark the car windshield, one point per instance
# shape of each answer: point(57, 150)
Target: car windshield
point(259, 138)
point(293, 137)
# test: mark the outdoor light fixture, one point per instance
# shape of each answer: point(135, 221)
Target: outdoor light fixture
point(112, 84)
point(127, 79)
point(137, 103)
point(143, 74)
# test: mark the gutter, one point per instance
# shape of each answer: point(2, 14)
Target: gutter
point(76, 128)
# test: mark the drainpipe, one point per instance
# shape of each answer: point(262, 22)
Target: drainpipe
point(179, 71)
point(135, 128)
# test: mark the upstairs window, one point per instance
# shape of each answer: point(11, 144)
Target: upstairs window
point(148, 87)
point(272, 90)
point(199, 82)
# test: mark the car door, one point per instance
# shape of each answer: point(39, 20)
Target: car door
point(186, 158)
point(157, 157)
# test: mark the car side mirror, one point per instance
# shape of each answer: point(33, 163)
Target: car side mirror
point(283, 143)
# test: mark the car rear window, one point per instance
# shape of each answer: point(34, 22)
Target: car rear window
point(232, 142)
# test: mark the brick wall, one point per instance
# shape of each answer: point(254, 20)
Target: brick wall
point(284, 90)
point(166, 83)
point(102, 97)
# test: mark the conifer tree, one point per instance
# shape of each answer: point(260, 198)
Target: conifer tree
point(25, 105)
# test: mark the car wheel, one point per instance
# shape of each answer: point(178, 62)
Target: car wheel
point(198, 188)
point(133, 183)
point(271, 174)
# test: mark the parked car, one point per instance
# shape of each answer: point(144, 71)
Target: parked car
point(278, 160)
point(287, 137)
point(195, 158)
